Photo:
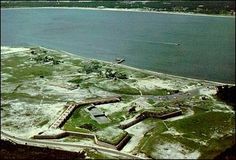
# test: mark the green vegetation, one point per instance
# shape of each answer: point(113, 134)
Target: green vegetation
point(79, 118)
point(195, 129)
point(43, 122)
point(15, 66)
point(118, 116)
point(200, 106)
point(151, 137)
point(216, 146)
point(111, 135)
point(121, 88)
point(204, 125)
point(46, 59)
point(207, 7)
point(76, 80)
point(128, 87)
point(30, 98)
point(82, 122)
point(151, 101)
point(32, 85)
point(91, 67)
point(131, 73)
point(94, 154)
point(13, 61)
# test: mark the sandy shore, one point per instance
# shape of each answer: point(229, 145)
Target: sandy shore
point(140, 70)
point(125, 10)
point(8, 49)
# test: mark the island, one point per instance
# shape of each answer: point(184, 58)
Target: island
point(106, 110)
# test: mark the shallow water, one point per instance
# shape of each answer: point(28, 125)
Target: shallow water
point(145, 40)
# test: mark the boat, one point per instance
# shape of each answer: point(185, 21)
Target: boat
point(120, 60)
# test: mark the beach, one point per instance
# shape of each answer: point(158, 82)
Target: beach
point(126, 10)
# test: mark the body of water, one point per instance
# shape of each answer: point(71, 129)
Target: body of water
point(200, 47)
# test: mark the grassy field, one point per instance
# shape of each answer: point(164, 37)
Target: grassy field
point(203, 131)
point(38, 83)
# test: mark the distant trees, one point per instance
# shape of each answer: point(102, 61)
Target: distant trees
point(96, 67)
point(92, 66)
point(207, 7)
point(45, 58)
point(109, 73)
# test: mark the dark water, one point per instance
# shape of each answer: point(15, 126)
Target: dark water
point(145, 40)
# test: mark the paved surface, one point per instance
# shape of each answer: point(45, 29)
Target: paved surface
point(65, 144)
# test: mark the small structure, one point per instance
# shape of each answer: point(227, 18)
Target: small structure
point(70, 109)
point(148, 114)
point(97, 114)
point(120, 60)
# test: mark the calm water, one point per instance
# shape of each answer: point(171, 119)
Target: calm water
point(145, 40)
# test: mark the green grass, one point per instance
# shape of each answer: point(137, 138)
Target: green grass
point(132, 73)
point(77, 80)
point(86, 82)
point(29, 98)
point(42, 123)
point(157, 92)
point(205, 105)
point(117, 116)
point(123, 88)
point(127, 98)
point(13, 61)
point(202, 126)
point(94, 154)
point(151, 137)
point(160, 139)
point(27, 73)
point(151, 101)
point(77, 62)
point(173, 104)
point(217, 146)
point(79, 117)
point(111, 135)
point(5, 110)
point(42, 70)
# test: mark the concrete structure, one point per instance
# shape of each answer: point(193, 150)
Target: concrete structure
point(63, 117)
point(63, 134)
point(97, 114)
point(66, 114)
point(148, 114)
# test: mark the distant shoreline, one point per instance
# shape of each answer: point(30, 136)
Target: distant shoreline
point(162, 74)
point(126, 10)
point(138, 69)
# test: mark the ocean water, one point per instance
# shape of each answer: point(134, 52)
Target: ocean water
point(200, 47)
